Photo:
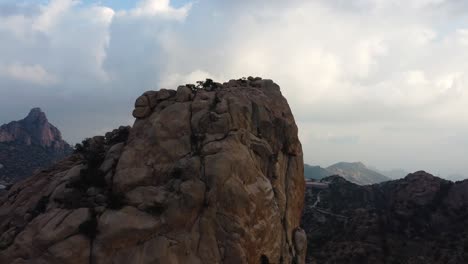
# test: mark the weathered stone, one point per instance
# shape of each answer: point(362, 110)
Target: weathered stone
point(107, 165)
point(164, 94)
point(184, 94)
point(73, 250)
point(300, 244)
point(141, 112)
point(147, 197)
point(115, 151)
point(74, 174)
point(152, 98)
point(142, 101)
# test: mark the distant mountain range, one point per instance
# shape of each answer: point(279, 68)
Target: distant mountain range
point(400, 173)
point(315, 172)
point(417, 219)
point(358, 173)
point(29, 144)
point(355, 172)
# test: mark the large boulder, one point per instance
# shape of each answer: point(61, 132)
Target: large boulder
point(208, 174)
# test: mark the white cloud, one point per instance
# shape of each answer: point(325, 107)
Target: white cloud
point(16, 24)
point(34, 74)
point(174, 80)
point(160, 8)
point(51, 14)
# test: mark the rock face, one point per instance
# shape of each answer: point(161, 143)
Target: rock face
point(415, 220)
point(29, 144)
point(212, 174)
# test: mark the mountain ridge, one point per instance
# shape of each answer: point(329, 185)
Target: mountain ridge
point(418, 219)
point(356, 172)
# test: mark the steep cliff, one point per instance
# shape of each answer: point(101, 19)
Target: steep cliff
point(208, 174)
point(29, 144)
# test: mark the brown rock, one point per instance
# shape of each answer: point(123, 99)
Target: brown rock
point(184, 94)
point(152, 98)
point(164, 94)
point(141, 112)
point(207, 176)
point(142, 101)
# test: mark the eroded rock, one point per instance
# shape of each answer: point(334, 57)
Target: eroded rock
point(209, 174)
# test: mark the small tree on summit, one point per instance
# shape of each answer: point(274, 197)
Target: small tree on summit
point(208, 84)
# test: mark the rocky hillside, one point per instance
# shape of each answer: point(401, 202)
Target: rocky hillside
point(208, 174)
point(416, 220)
point(29, 144)
point(356, 172)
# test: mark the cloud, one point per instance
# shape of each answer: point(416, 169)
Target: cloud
point(382, 78)
point(174, 80)
point(34, 74)
point(51, 14)
point(160, 8)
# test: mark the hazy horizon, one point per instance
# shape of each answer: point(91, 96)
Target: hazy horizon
point(372, 81)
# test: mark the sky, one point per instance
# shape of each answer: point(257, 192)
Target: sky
point(378, 81)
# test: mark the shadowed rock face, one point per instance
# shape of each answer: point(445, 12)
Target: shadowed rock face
point(29, 144)
point(211, 175)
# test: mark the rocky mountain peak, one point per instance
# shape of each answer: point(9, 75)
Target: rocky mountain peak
point(34, 129)
point(421, 176)
point(357, 172)
point(29, 144)
point(207, 174)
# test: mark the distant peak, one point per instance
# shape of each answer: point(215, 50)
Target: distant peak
point(36, 110)
point(36, 114)
point(354, 164)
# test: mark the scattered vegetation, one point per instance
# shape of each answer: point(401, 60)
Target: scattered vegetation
point(208, 84)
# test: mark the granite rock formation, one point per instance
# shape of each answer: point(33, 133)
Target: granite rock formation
point(416, 220)
point(208, 174)
point(29, 144)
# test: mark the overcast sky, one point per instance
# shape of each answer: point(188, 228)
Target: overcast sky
point(378, 81)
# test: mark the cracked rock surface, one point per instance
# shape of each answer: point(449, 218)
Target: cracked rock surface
point(206, 175)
